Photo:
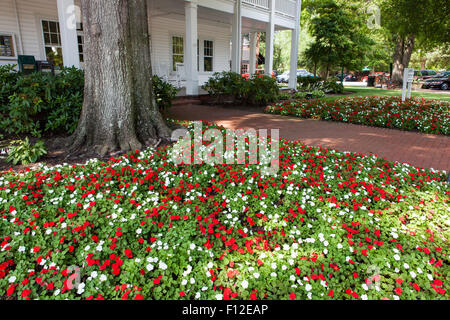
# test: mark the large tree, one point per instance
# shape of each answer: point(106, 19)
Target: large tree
point(411, 22)
point(119, 111)
point(340, 35)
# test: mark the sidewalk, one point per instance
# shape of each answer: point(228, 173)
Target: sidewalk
point(418, 149)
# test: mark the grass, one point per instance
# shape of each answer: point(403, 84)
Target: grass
point(364, 92)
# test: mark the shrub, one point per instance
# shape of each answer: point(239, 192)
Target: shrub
point(257, 90)
point(328, 86)
point(40, 101)
point(317, 94)
point(300, 95)
point(23, 152)
point(164, 93)
point(284, 96)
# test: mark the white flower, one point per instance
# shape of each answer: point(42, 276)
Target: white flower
point(413, 274)
point(397, 257)
point(192, 246)
point(273, 274)
point(12, 279)
point(273, 265)
point(218, 296)
point(102, 278)
point(406, 265)
point(94, 274)
point(244, 284)
point(162, 265)
point(256, 275)
point(364, 297)
point(308, 287)
point(192, 280)
point(149, 267)
point(197, 295)
point(184, 282)
point(21, 249)
point(210, 265)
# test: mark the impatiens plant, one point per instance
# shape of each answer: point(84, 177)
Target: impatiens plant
point(428, 116)
point(329, 225)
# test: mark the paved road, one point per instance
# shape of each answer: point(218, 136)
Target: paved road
point(422, 150)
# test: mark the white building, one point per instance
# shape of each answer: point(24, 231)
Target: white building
point(196, 34)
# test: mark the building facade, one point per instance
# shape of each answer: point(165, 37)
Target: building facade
point(195, 34)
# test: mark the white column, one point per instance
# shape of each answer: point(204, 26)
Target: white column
point(236, 38)
point(270, 30)
point(190, 53)
point(68, 27)
point(252, 59)
point(294, 48)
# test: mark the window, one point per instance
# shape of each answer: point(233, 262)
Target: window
point(7, 46)
point(80, 39)
point(208, 53)
point(177, 51)
point(52, 42)
point(244, 68)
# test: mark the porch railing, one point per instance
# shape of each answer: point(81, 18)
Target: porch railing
point(286, 7)
point(258, 3)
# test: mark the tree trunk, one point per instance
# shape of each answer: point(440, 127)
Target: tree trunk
point(119, 110)
point(402, 56)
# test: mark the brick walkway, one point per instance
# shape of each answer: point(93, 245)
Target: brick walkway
point(421, 150)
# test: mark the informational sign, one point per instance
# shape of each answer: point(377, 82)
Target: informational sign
point(408, 77)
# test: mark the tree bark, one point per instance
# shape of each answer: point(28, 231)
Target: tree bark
point(402, 57)
point(119, 110)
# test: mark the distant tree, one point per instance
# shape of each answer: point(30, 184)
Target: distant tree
point(412, 22)
point(340, 36)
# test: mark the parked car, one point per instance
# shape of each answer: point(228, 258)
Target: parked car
point(258, 72)
point(425, 74)
point(351, 77)
point(440, 81)
point(284, 77)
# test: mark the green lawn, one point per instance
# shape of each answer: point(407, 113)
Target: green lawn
point(364, 92)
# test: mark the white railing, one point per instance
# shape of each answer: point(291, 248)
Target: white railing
point(286, 7)
point(258, 3)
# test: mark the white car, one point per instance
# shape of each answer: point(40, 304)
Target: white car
point(284, 77)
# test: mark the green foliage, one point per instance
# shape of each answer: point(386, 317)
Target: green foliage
point(300, 95)
point(317, 94)
point(314, 83)
point(231, 86)
point(42, 102)
point(164, 93)
point(39, 102)
point(23, 152)
point(340, 36)
point(284, 96)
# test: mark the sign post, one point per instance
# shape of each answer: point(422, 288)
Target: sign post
point(408, 77)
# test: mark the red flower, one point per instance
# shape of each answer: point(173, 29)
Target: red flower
point(416, 286)
point(398, 291)
point(331, 293)
point(292, 296)
point(36, 249)
point(399, 281)
point(10, 290)
point(156, 281)
point(253, 296)
point(182, 294)
point(25, 293)
point(139, 297)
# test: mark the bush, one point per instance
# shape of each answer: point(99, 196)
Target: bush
point(164, 93)
point(257, 90)
point(40, 101)
point(328, 86)
point(284, 96)
point(300, 95)
point(317, 94)
point(23, 152)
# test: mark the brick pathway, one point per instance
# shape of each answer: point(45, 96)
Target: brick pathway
point(421, 150)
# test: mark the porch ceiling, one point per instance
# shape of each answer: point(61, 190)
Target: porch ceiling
point(175, 9)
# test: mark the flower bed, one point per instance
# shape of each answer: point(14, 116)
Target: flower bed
point(428, 116)
point(330, 225)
